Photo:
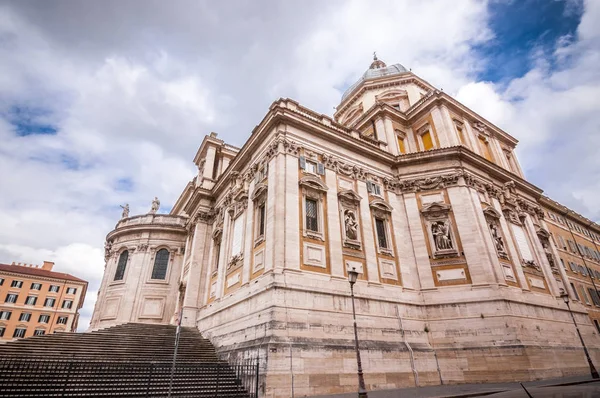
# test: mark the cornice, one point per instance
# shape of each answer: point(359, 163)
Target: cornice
point(565, 211)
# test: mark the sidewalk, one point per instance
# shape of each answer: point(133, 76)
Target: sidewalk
point(492, 389)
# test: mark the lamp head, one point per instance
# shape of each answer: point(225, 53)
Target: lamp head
point(352, 276)
point(565, 297)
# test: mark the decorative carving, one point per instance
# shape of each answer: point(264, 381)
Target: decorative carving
point(439, 229)
point(155, 206)
point(544, 237)
point(108, 250)
point(142, 247)
point(343, 168)
point(312, 182)
point(498, 239)
point(380, 208)
point(429, 183)
point(235, 261)
point(350, 225)
point(441, 236)
point(291, 147)
point(125, 213)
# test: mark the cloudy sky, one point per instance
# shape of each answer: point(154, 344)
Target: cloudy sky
point(106, 102)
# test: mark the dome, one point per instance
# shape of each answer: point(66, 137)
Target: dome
point(377, 69)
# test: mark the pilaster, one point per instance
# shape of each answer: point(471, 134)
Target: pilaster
point(541, 256)
point(197, 262)
point(404, 243)
point(333, 221)
point(248, 236)
point(292, 217)
point(512, 249)
point(478, 258)
point(418, 238)
point(367, 233)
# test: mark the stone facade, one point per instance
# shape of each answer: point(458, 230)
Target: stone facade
point(459, 272)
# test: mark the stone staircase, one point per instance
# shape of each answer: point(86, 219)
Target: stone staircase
point(129, 360)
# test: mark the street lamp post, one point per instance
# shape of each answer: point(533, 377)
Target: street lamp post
point(593, 370)
point(362, 391)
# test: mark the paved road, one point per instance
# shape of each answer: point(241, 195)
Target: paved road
point(579, 386)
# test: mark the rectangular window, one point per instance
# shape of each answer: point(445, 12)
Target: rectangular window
point(381, 234)
point(401, 145)
point(311, 167)
point(44, 319)
point(594, 295)
point(574, 290)
point(238, 231)
point(25, 316)
point(71, 290)
point(261, 220)
point(16, 284)
point(563, 245)
point(562, 262)
point(62, 320)
point(485, 148)
point(49, 302)
point(36, 286)
point(39, 332)
point(312, 219)
point(585, 297)
point(427, 141)
point(11, 298)
point(573, 266)
point(1, 281)
point(373, 188)
point(5, 315)
point(582, 270)
point(30, 300)
point(67, 304)
point(19, 332)
point(2, 332)
point(53, 288)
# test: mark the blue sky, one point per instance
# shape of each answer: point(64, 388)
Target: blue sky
point(106, 103)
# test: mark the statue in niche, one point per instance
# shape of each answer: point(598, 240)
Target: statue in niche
point(125, 213)
point(549, 255)
point(441, 235)
point(351, 225)
point(155, 205)
point(498, 241)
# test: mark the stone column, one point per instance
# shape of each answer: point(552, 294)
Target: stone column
point(440, 128)
point(270, 227)
point(367, 233)
point(541, 255)
point(249, 236)
point(512, 249)
point(334, 225)
point(418, 238)
point(404, 243)
point(453, 138)
point(224, 254)
point(292, 217)
point(468, 225)
point(197, 262)
point(391, 136)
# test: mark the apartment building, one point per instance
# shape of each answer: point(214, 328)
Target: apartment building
point(34, 300)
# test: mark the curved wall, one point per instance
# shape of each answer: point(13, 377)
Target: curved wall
point(137, 297)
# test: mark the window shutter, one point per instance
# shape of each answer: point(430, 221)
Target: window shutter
point(369, 186)
point(320, 169)
point(583, 271)
point(302, 162)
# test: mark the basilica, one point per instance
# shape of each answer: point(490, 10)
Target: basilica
point(463, 264)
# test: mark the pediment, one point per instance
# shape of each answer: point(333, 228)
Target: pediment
point(380, 204)
point(436, 208)
point(349, 195)
point(313, 182)
point(543, 233)
point(492, 213)
point(259, 190)
point(353, 113)
point(394, 94)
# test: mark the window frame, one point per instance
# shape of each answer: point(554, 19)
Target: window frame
point(154, 275)
point(71, 288)
point(7, 317)
point(121, 269)
point(58, 320)
point(17, 331)
point(46, 302)
point(25, 315)
point(16, 284)
point(426, 129)
point(34, 300)
point(11, 295)
point(64, 305)
point(45, 317)
point(53, 288)
point(313, 188)
point(39, 332)
point(384, 237)
point(36, 286)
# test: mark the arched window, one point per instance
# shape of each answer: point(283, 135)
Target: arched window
point(121, 266)
point(161, 262)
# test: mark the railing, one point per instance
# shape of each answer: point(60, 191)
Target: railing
point(44, 378)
